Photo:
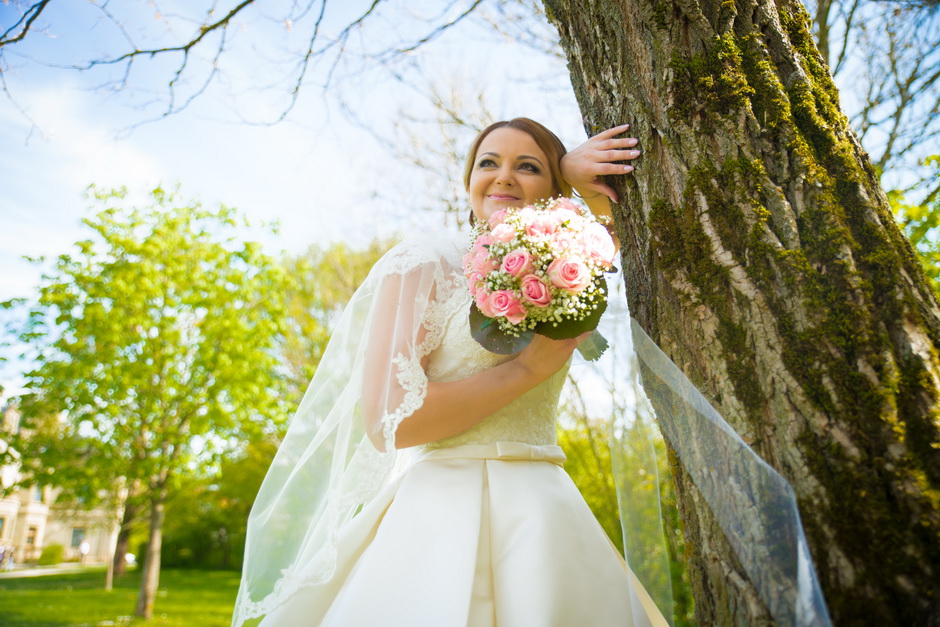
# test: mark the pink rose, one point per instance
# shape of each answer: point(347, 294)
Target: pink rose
point(477, 282)
point(566, 214)
point(543, 224)
point(535, 291)
point(504, 303)
point(467, 263)
point(598, 244)
point(569, 275)
point(567, 203)
point(480, 243)
point(496, 218)
point(482, 300)
point(503, 233)
point(483, 263)
point(518, 262)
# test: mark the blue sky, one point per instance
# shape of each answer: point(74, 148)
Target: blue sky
point(319, 173)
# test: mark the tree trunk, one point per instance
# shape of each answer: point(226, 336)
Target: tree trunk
point(150, 577)
point(763, 259)
point(124, 536)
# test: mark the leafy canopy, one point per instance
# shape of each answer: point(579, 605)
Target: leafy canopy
point(155, 343)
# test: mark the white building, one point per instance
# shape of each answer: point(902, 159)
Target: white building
point(30, 519)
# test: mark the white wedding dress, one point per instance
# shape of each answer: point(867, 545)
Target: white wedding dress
point(481, 529)
point(486, 528)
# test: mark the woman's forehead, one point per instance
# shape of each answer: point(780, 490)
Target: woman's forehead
point(510, 140)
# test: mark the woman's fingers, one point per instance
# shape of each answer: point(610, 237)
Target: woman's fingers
point(604, 189)
point(617, 143)
point(618, 155)
point(612, 132)
point(602, 154)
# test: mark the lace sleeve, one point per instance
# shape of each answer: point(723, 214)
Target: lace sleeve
point(407, 325)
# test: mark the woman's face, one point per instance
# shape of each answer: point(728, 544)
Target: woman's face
point(509, 170)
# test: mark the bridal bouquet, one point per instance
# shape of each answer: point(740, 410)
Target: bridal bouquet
point(538, 269)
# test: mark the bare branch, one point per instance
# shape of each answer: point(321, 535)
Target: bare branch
point(26, 21)
point(440, 29)
point(204, 30)
point(847, 31)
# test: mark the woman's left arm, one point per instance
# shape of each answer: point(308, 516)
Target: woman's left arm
point(584, 166)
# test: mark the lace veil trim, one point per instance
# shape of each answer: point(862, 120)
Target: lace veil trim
point(369, 380)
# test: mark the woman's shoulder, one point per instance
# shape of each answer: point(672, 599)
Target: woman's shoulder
point(432, 252)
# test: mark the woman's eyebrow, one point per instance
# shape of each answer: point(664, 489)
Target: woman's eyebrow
point(496, 154)
point(531, 157)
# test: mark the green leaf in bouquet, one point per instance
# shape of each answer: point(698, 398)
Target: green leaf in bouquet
point(593, 346)
point(573, 328)
point(492, 338)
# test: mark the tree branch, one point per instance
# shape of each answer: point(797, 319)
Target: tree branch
point(26, 20)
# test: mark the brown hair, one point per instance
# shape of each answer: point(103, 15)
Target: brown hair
point(544, 138)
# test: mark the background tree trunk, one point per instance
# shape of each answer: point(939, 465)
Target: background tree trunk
point(763, 259)
point(150, 576)
point(131, 510)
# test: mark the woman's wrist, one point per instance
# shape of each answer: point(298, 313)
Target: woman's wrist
point(587, 195)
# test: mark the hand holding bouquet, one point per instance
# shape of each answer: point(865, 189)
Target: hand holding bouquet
point(538, 269)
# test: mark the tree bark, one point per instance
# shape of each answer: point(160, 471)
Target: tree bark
point(763, 259)
point(150, 577)
point(131, 510)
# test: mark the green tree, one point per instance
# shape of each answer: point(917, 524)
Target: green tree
point(921, 220)
point(322, 282)
point(206, 519)
point(156, 343)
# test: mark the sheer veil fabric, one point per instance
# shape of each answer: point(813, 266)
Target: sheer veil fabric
point(371, 378)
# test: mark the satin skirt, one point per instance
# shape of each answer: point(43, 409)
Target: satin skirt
point(476, 536)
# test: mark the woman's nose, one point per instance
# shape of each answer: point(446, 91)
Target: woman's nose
point(505, 177)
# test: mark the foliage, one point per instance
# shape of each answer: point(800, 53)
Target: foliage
point(321, 283)
point(143, 337)
point(586, 445)
point(51, 554)
point(186, 598)
point(920, 220)
point(154, 349)
point(206, 522)
point(206, 519)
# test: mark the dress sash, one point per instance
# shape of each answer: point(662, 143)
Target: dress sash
point(504, 451)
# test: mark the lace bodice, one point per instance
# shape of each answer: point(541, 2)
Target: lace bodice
point(530, 418)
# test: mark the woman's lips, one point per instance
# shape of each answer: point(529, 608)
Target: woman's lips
point(502, 197)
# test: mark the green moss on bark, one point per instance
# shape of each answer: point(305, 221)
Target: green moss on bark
point(711, 82)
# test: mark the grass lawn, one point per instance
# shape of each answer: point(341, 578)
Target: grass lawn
point(185, 597)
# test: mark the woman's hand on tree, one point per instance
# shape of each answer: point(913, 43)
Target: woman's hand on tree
point(598, 156)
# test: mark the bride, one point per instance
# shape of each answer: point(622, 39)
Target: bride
point(420, 483)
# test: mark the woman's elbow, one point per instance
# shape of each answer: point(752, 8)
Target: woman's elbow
point(375, 431)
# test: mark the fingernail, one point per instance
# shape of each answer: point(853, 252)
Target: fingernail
point(625, 126)
point(631, 142)
point(634, 153)
point(628, 168)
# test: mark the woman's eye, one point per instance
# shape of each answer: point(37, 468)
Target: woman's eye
point(530, 167)
point(486, 163)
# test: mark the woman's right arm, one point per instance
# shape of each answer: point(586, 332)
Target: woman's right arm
point(450, 407)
